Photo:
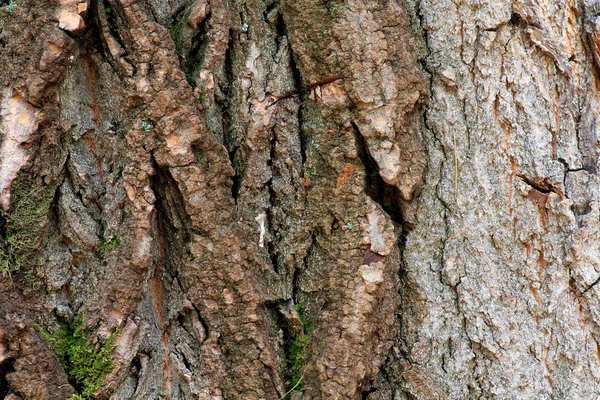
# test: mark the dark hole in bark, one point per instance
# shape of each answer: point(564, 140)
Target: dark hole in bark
point(366, 393)
point(516, 19)
point(136, 365)
point(5, 369)
point(581, 209)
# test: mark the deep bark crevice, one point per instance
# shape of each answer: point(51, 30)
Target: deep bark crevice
point(207, 332)
point(194, 59)
point(3, 227)
point(5, 368)
point(173, 222)
point(229, 139)
point(271, 245)
point(109, 13)
point(382, 193)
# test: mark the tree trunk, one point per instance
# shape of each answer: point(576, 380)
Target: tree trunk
point(315, 199)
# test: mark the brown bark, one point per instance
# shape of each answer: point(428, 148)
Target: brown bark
point(255, 197)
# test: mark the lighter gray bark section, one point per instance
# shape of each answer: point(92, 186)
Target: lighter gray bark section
point(505, 251)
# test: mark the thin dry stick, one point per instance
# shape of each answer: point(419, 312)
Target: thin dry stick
point(292, 389)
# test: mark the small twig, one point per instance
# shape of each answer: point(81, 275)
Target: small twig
point(292, 389)
point(306, 89)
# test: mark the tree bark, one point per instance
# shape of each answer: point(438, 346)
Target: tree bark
point(315, 199)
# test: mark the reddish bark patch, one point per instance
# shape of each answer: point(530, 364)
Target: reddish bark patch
point(540, 199)
point(348, 170)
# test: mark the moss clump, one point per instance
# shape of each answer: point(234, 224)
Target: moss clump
point(146, 126)
point(109, 245)
point(175, 33)
point(10, 7)
point(296, 351)
point(25, 224)
point(86, 365)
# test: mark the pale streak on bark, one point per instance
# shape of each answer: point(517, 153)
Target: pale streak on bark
point(19, 122)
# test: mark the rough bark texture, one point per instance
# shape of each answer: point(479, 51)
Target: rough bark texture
point(315, 199)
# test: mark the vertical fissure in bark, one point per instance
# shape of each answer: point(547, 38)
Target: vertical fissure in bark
point(229, 140)
point(382, 193)
point(104, 37)
point(271, 245)
point(172, 221)
point(194, 59)
point(3, 227)
point(94, 20)
point(202, 321)
point(106, 12)
point(298, 89)
point(136, 368)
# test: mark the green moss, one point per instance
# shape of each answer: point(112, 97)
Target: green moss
point(25, 224)
point(297, 358)
point(146, 126)
point(190, 53)
point(191, 70)
point(10, 7)
point(109, 245)
point(85, 364)
point(175, 33)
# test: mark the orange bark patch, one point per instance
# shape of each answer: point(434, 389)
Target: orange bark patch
point(540, 200)
point(542, 264)
point(158, 303)
point(597, 349)
point(305, 181)
point(348, 170)
point(92, 144)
